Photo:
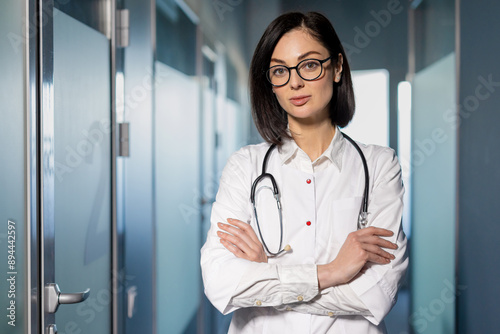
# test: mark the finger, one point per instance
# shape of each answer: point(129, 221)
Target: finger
point(234, 230)
point(240, 233)
point(377, 259)
point(246, 227)
point(232, 248)
point(236, 240)
point(377, 231)
point(370, 238)
point(376, 240)
point(378, 251)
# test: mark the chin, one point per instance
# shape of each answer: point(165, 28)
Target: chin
point(303, 111)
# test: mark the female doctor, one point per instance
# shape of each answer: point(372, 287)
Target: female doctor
point(305, 264)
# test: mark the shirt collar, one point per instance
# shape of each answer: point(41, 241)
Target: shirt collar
point(289, 150)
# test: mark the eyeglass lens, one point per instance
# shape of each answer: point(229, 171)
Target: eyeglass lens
point(308, 69)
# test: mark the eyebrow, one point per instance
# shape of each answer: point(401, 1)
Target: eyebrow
point(303, 56)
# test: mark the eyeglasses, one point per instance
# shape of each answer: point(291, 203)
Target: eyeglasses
point(307, 69)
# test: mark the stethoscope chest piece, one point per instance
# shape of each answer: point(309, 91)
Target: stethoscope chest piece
point(362, 220)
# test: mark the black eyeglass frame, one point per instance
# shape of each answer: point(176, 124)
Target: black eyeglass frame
point(296, 70)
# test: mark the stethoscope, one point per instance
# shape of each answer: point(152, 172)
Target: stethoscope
point(362, 219)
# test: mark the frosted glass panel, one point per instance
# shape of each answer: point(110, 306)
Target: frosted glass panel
point(177, 151)
point(433, 163)
point(82, 178)
point(209, 173)
point(13, 318)
point(229, 130)
point(370, 124)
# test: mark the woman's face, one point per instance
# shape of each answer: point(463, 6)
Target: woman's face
point(304, 100)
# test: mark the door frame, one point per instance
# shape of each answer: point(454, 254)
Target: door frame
point(45, 80)
point(40, 160)
point(32, 161)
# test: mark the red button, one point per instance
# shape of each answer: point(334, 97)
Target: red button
point(308, 181)
point(308, 223)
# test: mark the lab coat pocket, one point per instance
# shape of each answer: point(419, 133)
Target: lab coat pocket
point(344, 215)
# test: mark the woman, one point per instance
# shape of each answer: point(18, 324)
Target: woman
point(331, 277)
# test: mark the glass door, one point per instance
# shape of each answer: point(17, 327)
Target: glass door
point(76, 172)
point(14, 220)
point(177, 176)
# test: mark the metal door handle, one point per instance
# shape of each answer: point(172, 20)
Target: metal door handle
point(131, 294)
point(52, 329)
point(54, 297)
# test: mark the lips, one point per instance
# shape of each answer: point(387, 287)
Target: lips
point(300, 100)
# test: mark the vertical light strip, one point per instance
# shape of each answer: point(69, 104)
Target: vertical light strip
point(404, 126)
point(154, 46)
point(370, 124)
point(404, 147)
point(120, 97)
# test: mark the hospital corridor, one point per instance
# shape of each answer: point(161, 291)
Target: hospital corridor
point(118, 117)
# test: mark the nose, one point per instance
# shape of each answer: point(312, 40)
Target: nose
point(296, 81)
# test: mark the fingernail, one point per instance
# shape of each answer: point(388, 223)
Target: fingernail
point(230, 219)
point(220, 224)
point(219, 233)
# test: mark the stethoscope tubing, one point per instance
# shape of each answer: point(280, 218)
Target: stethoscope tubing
point(365, 167)
point(362, 220)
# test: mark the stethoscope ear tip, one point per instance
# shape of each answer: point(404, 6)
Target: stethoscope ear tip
point(287, 248)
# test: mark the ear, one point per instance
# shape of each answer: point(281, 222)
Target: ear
point(338, 68)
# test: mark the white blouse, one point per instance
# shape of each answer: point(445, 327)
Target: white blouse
point(321, 202)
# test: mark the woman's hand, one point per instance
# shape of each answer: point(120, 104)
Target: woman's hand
point(360, 247)
point(240, 239)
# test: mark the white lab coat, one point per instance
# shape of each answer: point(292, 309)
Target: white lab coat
point(321, 202)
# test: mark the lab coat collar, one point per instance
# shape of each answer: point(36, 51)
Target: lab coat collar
point(289, 150)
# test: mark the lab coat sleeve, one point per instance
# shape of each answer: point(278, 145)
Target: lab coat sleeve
point(335, 301)
point(377, 287)
point(230, 282)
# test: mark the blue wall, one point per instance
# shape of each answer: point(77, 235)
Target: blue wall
point(479, 172)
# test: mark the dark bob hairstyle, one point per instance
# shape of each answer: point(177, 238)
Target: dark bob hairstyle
point(269, 117)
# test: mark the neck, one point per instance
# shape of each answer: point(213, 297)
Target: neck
point(313, 139)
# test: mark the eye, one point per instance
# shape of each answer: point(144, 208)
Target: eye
point(309, 65)
point(279, 71)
